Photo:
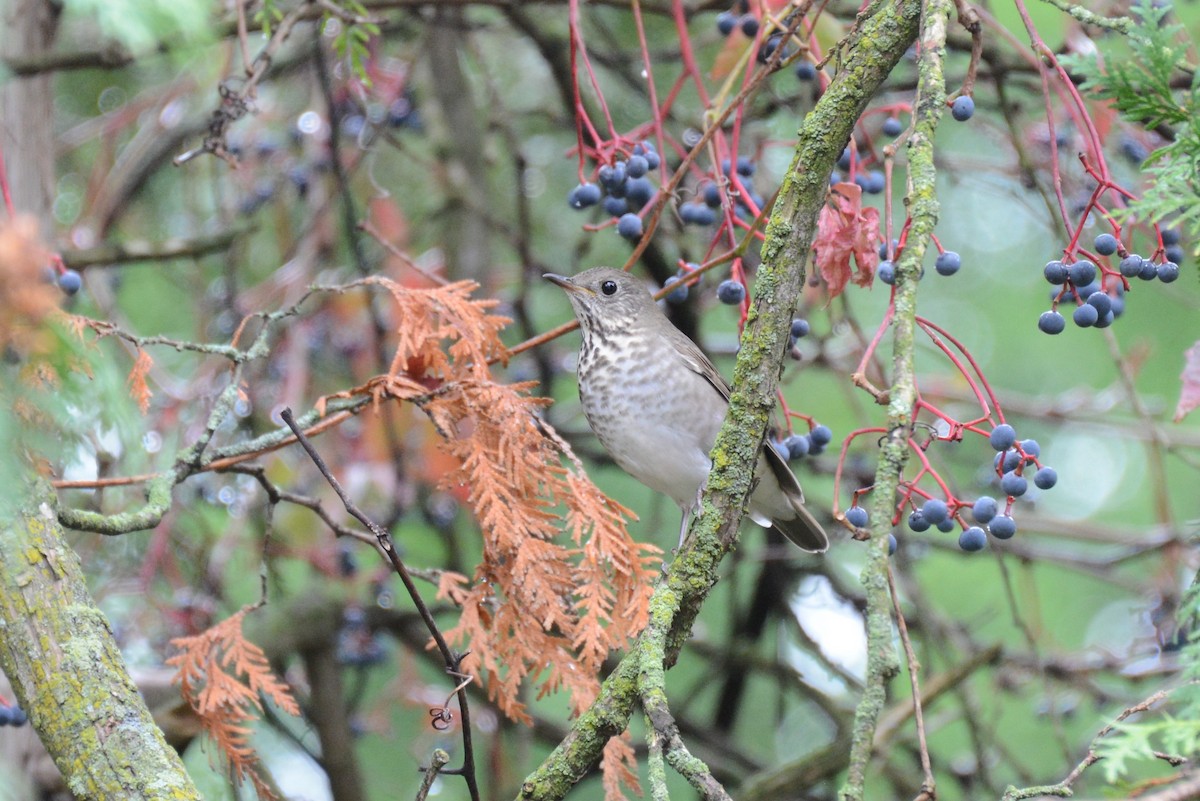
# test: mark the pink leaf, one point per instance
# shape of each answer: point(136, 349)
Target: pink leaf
point(1189, 393)
point(844, 230)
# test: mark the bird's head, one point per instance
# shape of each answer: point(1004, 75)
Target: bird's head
point(607, 300)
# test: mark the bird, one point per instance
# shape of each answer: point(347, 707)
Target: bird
point(656, 402)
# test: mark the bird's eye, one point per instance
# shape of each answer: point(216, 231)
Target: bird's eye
point(609, 287)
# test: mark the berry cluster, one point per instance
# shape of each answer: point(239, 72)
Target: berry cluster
point(12, 715)
point(624, 188)
point(1097, 305)
point(797, 446)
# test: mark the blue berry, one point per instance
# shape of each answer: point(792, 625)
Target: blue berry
point(1170, 236)
point(886, 272)
point(892, 127)
point(679, 293)
point(883, 248)
point(1106, 320)
point(18, 716)
point(963, 108)
point(696, 214)
point(1007, 461)
point(892, 544)
point(1031, 448)
point(712, 196)
point(917, 522)
point(821, 435)
point(1051, 322)
point(843, 162)
point(1014, 485)
point(1174, 253)
point(1101, 301)
point(639, 191)
point(70, 282)
point(947, 525)
point(1087, 291)
point(1055, 272)
point(806, 71)
point(611, 177)
point(731, 292)
point(630, 226)
point(749, 25)
point(948, 263)
point(876, 182)
point(653, 160)
point(1106, 244)
point(726, 22)
point(800, 328)
point(1149, 270)
point(615, 206)
point(856, 516)
point(1168, 271)
point(1003, 527)
point(584, 195)
point(1131, 265)
point(745, 166)
point(972, 539)
point(1045, 478)
point(798, 446)
point(1082, 272)
point(935, 510)
point(1085, 315)
point(985, 508)
point(636, 166)
point(1002, 437)
point(769, 47)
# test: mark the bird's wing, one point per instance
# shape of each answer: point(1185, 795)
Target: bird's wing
point(699, 364)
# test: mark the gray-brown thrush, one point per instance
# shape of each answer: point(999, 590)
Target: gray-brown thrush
point(656, 402)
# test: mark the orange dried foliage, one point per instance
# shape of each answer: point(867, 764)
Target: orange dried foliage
point(541, 605)
point(222, 675)
point(139, 390)
point(25, 297)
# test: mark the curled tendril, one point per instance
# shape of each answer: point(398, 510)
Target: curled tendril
point(442, 717)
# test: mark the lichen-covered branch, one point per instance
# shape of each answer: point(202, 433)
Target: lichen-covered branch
point(882, 663)
point(67, 671)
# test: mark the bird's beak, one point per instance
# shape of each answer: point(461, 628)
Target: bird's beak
point(562, 281)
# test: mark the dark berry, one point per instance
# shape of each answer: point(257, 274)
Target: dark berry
point(856, 516)
point(611, 175)
point(1007, 461)
point(1082, 272)
point(1170, 236)
point(769, 47)
point(746, 166)
point(1106, 319)
point(1088, 290)
point(712, 196)
point(1045, 478)
point(1168, 271)
point(1014, 485)
point(972, 539)
point(749, 25)
point(1149, 270)
point(1102, 302)
point(18, 716)
point(935, 510)
point(1051, 322)
point(892, 127)
point(798, 446)
point(886, 272)
point(1002, 437)
point(843, 162)
point(806, 70)
point(70, 282)
point(584, 195)
point(679, 293)
point(821, 435)
point(883, 248)
point(917, 522)
point(615, 206)
point(1055, 272)
point(636, 166)
point(873, 182)
point(800, 328)
point(639, 191)
point(947, 525)
point(892, 544)
point(696, 214)
point(1085, 316)
point(726, 22)
point(985, 509)
point(1031, 448)
point(731, 292)
point(948, 263)
point(1174, 253)
point(1131, 265)
point(630, 227)
point(1106, 244)
point(1003, 527)
point(963, 108)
